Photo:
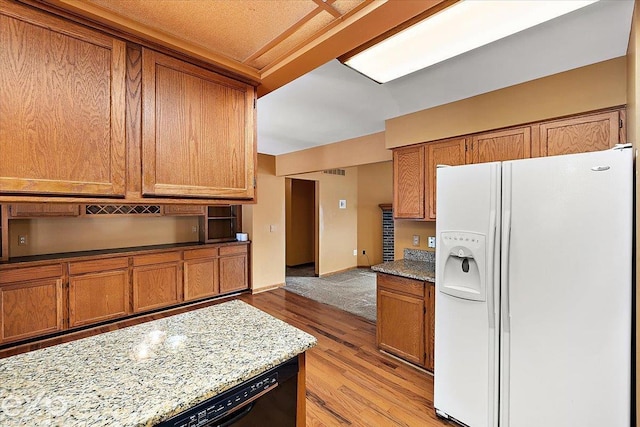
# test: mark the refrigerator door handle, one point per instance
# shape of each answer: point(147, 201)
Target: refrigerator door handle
point(506, 247)
point(491, 268)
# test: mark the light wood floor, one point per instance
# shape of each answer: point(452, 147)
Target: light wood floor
point(349, 382)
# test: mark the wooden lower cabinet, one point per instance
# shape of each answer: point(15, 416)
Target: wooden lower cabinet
point(233, 268)
point(201, 278)
point(405, 322)
point(36, 301)
point(156, 285)
point(31, 303)
point(98, 291)
point(429, 325)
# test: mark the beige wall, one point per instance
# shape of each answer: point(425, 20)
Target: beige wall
point(633, 96)
point(375, 186)
point(265, 224)
point(404, 231)
point(54, 235)
point(588, 88)
point(351, 152)
point(300, 222)
point(338, 228)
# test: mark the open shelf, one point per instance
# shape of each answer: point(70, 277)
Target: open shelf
point(221, 223)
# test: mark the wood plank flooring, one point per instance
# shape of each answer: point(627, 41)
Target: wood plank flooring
point(349, 382)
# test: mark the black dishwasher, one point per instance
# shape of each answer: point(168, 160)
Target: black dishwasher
point(268, 399)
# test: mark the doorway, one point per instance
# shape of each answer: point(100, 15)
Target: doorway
point(301, 221)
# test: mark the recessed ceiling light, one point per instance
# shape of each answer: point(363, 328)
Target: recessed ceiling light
point(464, 26)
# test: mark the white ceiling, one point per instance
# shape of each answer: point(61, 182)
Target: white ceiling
point(333, 103)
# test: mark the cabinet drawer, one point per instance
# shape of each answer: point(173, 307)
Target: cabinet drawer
point(34, 210)
point(156, 258)
point(184, 210)
point(94, 265)
point(30, 273)
point(235, 249)
point(201, 253)
point(401, 284)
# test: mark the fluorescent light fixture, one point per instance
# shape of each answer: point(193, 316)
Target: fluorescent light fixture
point(464, 26)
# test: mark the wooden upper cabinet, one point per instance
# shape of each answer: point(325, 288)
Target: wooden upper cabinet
point(62, 114)
point(510, 144)
point(451, 153)
point(408, 182)
point(197, 131)
point(580, 134)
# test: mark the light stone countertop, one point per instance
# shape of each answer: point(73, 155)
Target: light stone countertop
point(417, 264)
point(144, 374)
point(419, 270)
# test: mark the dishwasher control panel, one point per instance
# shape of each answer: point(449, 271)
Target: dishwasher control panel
point(234, 403)
point(210, 411)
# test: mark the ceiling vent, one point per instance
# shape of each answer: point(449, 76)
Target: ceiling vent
point(340, 172)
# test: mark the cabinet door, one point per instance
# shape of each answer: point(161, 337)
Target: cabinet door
point(200, 278)
point(156, 286)
point(408, 182)
point(30, 308)
point(510, 144)
point(233, 273)
point(450, 153)
point(429, 325)
point(197, 131)
point(96, 297)
point(35, 210)
point(401, 325)
point(63, 95)
point(580, 134)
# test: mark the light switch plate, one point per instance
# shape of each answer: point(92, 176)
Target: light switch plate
point(342, 204)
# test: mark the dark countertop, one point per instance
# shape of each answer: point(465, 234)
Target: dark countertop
point(70, 256)
point(419, 270)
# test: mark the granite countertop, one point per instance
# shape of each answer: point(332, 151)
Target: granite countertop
point(144, 374)
point(416, 264)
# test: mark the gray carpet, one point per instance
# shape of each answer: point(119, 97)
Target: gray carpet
point(353, 291)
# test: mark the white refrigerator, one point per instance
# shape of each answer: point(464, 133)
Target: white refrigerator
point(534, 294)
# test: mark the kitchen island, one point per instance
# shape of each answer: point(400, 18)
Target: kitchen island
point(145, 374)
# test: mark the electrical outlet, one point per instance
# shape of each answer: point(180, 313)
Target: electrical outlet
point(22, 240)
point(416, 240)
point(355, 252)
point(432, 241)
point(194, 228)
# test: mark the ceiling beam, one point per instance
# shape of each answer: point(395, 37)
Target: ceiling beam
point(368, 23)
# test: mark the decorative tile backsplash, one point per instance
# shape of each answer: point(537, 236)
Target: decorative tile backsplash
point(387, 236)
point(419, 255)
